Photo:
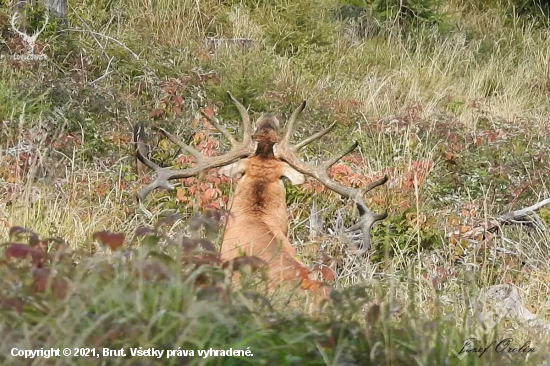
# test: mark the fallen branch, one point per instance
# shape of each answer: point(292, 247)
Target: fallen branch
point(524, 216)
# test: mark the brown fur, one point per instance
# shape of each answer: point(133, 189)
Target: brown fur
point(257, 224)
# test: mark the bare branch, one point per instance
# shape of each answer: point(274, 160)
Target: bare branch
point(520, 215)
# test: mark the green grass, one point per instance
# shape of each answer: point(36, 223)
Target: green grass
point(453, 107)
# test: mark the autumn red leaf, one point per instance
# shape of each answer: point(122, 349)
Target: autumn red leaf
point(311, 285)
point(22, 251)
point(178, 100)
point(21, 231)
point(43, 276)
point(12, 303)
point(180, 195)
point(325, 271)
point(107, 238)
point(156, 113)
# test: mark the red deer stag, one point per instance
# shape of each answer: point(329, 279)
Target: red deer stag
point(257, 223)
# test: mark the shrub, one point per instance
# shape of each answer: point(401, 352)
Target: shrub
point(408, 13)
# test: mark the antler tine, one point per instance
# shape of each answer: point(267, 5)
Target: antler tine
point(37, 33)
point(13, 21)
point(220, 128)
point(160, 182)
point(288, 153)
point(291, 121)
point(247, 127)
point(327, 164)
point(200, 157)
point(164, 175)
point(312, 138)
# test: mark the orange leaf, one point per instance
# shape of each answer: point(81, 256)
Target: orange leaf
point(307, 284)
point(180, 195)
point(208, 111)
point(326, 272)
point(465, 228)
point(156, 113)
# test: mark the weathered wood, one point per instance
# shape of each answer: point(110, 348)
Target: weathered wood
point(56, 7)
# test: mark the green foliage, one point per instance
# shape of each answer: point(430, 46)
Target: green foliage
point(248, 78)
point(407, 233)
point(154, 293)
point(297, 26)
point(410, 13)
point(538, 10)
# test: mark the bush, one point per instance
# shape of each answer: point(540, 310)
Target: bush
point(408, 13)
point(538, 10)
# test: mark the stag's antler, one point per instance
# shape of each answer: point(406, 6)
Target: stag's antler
point(14, 27)
point(29, 40)
point(239, 150)
point(287, 152)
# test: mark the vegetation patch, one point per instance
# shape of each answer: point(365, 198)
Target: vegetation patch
point(448, 99)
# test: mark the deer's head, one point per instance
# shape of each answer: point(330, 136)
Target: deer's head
point(30, 41)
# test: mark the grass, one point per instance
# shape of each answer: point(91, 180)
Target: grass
point(454, 112)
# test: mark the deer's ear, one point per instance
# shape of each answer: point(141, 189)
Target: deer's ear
point(293, 175)
point(232, 170)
